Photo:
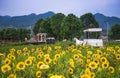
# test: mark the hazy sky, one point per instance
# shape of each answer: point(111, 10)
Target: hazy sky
point(77, 7)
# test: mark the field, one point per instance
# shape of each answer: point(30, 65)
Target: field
point(59, 60)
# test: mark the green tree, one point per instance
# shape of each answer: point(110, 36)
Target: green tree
point(37, 26)
point(71, 27)
point(88, 21)
point(115, 32)
point(46, 27)
point(56, 21)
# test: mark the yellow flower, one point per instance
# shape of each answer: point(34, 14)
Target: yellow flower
point(105, 65)
point(76, 57)
point(71, 63)
point(7, 61)
point(96, 61)
point(111, 69)
point(25, 49)
point(54, 61)
point(57, 76)
point(85, 76)
point(39, 56)
point(44, 67)
point(70, 70)
point(5, 68)
point(87, 71)
point(92, 74)
point(93, 65)
point(2, 55)
point(38, 74)
point(81, 61)
point(28, 62)
point(103, 59)
point(118, 56)
point(12, 76)
point(12, 50)
point(19, 52)
point(57, 56)
point(47, 60)
point(20, 66)
point(13, 57)
point(39, 64)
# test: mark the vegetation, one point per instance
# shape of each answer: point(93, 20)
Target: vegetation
point(14, 34)
point(65, 27)
point(61, 60)
point(115, 32)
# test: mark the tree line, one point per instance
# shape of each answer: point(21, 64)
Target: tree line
point(61, 27)
point(13, 34)
point(65, 27)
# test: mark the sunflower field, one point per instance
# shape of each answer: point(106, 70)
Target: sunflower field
point(60, 61)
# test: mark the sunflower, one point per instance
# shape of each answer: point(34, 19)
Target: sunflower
point(57, 56)
point(44, 67)
point(105, 65)
point(20, 66)
point(38, 74)
point(12, 50)
point(70, 70)
point(71, 63)
point(96, 61)
point(28, 62)
point(47, 60)
point(5, 68)
point(19, 52)
point(81, 61)
point(13, 57)
point(41, 53)
point(103, 59)
point(118, 56)
point(76, 56)
point(93, 65)
point(39, 56)
point(9, 56)
point(99, 52)
point(39, 64)
point(25, 49)
point(111, 69)
point(85, 76)
point(7, 61)
point(2, 55)
point(54, 61)
point(92, 74)
point(12, 76)
point(57, 76)
point(87, 71)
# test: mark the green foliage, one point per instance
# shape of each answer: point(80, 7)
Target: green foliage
point(71, 27)
point(56, 21)
point(115, 32)
point(65, 27)
point(45, 27)
point(37, 26)
point(14, 34)
point(88, 21)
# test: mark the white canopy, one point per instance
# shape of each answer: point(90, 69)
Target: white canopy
point(93, 30)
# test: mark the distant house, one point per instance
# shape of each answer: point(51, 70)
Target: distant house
point(38, 38)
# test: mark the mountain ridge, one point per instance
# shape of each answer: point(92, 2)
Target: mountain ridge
point(25, 21)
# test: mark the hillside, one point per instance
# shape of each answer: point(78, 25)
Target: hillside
point(26, 21)
point(106, 20)
point(22, 21)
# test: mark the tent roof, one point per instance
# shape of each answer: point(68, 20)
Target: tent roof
point(93, 30)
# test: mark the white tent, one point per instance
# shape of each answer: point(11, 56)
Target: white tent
point(93, 30)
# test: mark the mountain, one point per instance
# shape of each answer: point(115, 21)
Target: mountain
point(22, 21)
point(105, 21)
